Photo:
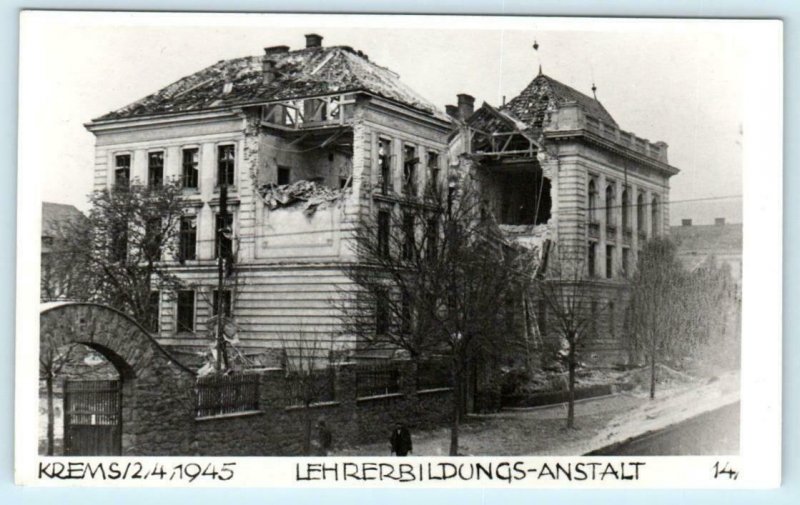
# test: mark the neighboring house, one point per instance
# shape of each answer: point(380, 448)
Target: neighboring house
point(57, 279)
point(561, 176)
point(719, 242)
point(321, 119)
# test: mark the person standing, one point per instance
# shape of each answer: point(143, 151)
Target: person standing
point(324, 438)
point(400, 440)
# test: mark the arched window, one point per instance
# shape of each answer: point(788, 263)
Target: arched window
point(610, 205)
point(592, 205)
point(626, 215)
point(640, 213)
point(655, 215)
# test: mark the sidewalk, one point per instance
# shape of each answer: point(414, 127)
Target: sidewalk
point(542, 430)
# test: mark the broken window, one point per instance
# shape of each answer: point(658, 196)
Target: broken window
point(226, 160)
point(187, 249)
point(122, 170)
point(410, 161)
point(344, 182)
point(284, 176)
point(383, 233)
point(185, 311)
point(409, 245)
point(385, 165)
point(227, 308)
point(191, 158)
point(525, 197)
point(609, 261)
point(382, 317)
point(152, 311)
point(223, 238)
point(155, 169)
point(591, 258)
point(433, 170)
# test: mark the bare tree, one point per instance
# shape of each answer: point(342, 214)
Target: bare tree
point(51, 363)
point(432, 278)
point(660, 308)
point(573, 308)
point(125, 246)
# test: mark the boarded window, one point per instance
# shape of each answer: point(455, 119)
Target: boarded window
point(226, 161)
point(186, 311)
point(187, 249)
point(122, 170)
point(191, 159)
point(155, 169)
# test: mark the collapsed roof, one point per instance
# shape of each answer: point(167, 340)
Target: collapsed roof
point(312, 71)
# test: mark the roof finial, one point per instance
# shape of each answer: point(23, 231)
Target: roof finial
point(540, 69)
point(594, 90)
point(536, 48)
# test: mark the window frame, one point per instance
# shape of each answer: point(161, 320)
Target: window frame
point(217, 216)
point(227, 302)
point(182, 247)
point(117, 169)
point(185, 165)
point(219, 164)
point(178, 312)
point(150, 174)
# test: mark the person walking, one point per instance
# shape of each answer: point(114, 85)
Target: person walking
point(400, 440)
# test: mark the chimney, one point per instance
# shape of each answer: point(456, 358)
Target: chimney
point(686, 222)
point(267, 68)
point(719, 221)
point(275, 50)
point(451, 111)
point(466, 105)
point(313, 40)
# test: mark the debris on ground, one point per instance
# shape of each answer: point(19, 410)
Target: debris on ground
point(311, 194)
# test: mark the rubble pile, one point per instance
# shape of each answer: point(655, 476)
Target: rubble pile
point(310, 194)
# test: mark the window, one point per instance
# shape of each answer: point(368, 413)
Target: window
point(284, 176)
point(409, 245)
point(610, 204)
point(655, 217)
point(410, 161)
point(640, 213)
point(223, 236)
point(609, 261)
point(122, 170)
point(152, 316)
point(626, 262)
point(155, 169)
point(344, 182)
point(385, 165)
point(592, 202)
point(432, 237)
point(405, 309)
point(383, 233)
point(186, 311)
point(382, 313)
point(119, 242)
point(191, 159)
point(187, 248)
point(226, 160)
point(226, 303)
point(152, 239)
point(626, 218)
point(433, 169)
point(591, 259)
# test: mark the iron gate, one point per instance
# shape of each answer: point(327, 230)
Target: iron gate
point(92, 418)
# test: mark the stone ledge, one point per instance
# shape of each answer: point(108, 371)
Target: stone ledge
point(246, 413)
point(434, 391)
point(317, 405)
point(379, 397)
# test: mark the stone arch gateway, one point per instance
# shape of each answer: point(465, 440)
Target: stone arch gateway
point(157, 391)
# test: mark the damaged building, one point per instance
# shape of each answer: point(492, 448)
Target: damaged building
point(559, 176)
point(304, 140)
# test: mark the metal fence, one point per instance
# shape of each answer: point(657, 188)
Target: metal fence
point(316, 387)
point(226, 394)
point(375, 381)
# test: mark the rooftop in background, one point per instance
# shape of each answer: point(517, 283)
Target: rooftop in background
point(708, 238)
point(311, 71)
point(55, 215)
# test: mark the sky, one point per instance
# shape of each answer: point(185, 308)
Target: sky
point(671, 80)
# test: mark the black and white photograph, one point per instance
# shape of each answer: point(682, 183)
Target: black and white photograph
point(415, 237)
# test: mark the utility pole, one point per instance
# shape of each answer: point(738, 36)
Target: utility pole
point(221, 257)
